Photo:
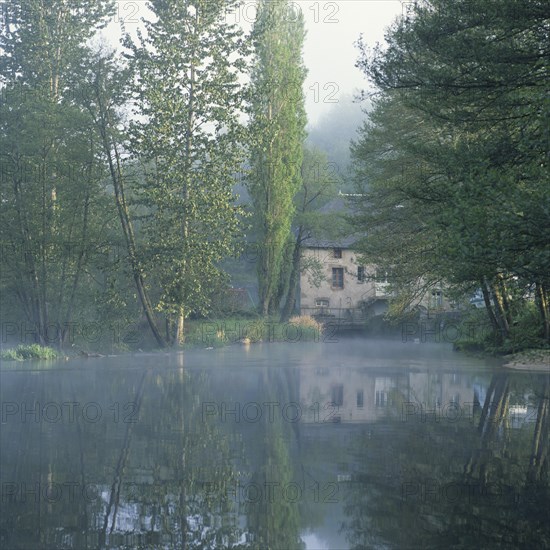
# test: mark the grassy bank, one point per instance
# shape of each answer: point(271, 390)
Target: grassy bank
point(533, 359)
point(221, 332)
point(26, 352)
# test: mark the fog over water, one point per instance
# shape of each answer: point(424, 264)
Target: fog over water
point(350, 444)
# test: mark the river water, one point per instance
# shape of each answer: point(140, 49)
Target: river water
point(321, 445)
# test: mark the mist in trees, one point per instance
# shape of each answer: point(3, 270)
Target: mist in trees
point(453, 160)
point(334, 131)
point(120, 171)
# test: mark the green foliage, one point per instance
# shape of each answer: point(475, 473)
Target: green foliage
point(26, 352)
point(320, 182)
point(320, 179)
point(52, 202)
point(314, 270)
point(189, 145)
point(474, 332)
point(245, 330)
point(277, 133)
point(526, 331)
point(453, 160)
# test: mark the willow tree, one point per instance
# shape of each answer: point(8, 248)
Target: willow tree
point(278, 128)
point(189, 96)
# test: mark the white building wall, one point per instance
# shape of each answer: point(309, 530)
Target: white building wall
point(354, 291)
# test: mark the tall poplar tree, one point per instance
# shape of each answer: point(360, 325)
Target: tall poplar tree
point(278, 122)
point(189, 142)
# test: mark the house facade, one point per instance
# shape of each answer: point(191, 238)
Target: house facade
point(347, 290)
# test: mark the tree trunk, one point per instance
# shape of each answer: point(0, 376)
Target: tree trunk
point(179, 340)
point(542, 302)
point(501, 284)
point(294, 279)
point(66, 320)
point(500, 310)
point(490, 312)
point(29, 268)
point(115, 170)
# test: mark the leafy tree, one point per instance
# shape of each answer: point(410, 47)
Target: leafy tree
point(467, 162)
point(189, 142)
point(319, 182)
point(278, 130)
point(104, 91)
point(51, 198)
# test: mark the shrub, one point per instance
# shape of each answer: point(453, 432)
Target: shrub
point(256, 331)
point(25, 352)
point(526, 332)
point(306, 322)
point(310, 328)
point(478, 335)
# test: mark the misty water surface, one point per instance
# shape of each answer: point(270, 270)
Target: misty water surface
point(349, 444)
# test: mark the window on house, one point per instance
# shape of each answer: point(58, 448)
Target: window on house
point(338, 395)
point(360, 274)
point(381, 398)
point(360, 399)
point(322, 306)
point(337, 277)
point(437, 298)
point(337, 252)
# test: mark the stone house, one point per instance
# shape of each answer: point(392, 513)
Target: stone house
point(349, 291)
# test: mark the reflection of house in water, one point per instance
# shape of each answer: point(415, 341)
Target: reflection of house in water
point(344, 395)
point(359, 395)
point(523, 412)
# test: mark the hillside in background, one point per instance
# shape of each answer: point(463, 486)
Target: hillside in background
point(334, 131)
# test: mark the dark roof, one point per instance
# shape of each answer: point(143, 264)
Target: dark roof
point(345, 242)
point(342, 204)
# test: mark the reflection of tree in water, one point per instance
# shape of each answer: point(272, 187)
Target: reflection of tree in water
point(162, 480)
point(184, 495)
point(273, 519)
point(511, 468)
point(452, 484)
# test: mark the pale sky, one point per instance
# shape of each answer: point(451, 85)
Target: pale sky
point(329, 53)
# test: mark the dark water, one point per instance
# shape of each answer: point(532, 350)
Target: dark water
point(353, 444)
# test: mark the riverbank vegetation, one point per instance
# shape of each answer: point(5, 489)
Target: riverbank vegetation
point(452, 165)
point(131, 181)
point(236, 330)
point(26, 352)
